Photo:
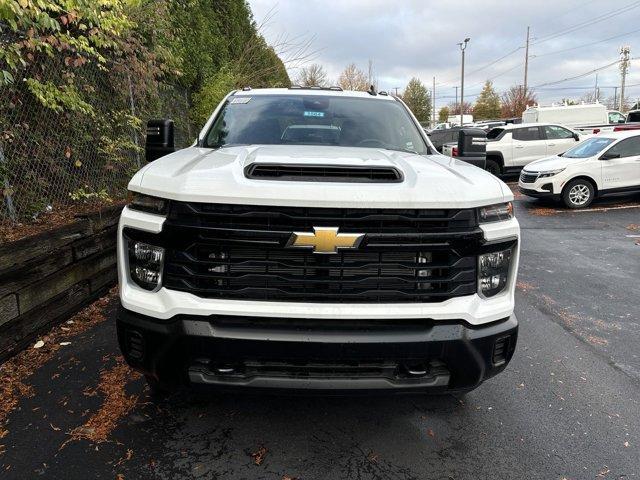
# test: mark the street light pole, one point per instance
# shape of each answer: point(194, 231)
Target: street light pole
point(463, 47)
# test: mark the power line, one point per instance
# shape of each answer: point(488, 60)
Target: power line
point(577, 76)
point(495, 61)
point(499, 74)
point(587, 23)
point(585, 45)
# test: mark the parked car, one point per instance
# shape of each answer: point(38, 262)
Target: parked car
point(599, 165)
point(345, 256)
point(511, 147)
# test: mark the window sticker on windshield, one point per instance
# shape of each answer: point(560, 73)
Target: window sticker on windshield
point(313, 114)
point(240, 100)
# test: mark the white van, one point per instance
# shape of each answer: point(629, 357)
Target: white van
point(568, 115)
point(455, 119)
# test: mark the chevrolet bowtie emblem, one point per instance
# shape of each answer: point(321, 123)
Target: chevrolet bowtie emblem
point(325, 240)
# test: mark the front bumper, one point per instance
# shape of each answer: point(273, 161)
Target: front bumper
point(538, 193)
point(542, 187)
point(340, 356)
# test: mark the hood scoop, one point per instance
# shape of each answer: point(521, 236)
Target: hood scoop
point(323, 173)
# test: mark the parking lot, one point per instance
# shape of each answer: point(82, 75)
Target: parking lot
point(568, 405)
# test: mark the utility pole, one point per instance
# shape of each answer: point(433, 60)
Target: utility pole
point(526, 64)
point(433, 101)
point(463, 47)
point(596, 95)
point(624, 68)
point(396, 89)
point(615, 96)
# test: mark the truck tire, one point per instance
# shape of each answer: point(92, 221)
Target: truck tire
point(493, 167)
point(578, 193)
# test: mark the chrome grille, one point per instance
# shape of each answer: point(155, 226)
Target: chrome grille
point(526, 177)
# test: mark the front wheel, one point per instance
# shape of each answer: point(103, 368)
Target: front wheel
point(493, 167)
point(578, 193)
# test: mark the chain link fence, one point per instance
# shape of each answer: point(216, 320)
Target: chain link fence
point(53, 155)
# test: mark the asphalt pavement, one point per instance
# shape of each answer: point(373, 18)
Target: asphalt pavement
point(567, 407)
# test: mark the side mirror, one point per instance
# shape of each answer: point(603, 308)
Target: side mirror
point(622, 120)
point(609, 156)
point(160, 139)
point(576, 137)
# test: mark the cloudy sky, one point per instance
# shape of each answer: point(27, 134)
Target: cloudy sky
point(406, 38)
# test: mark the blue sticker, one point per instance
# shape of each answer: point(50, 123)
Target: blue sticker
point(314, 114)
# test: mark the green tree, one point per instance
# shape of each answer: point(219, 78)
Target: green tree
point(443, 114)
point(487, 104)
point(418, 100)
point(95, 71)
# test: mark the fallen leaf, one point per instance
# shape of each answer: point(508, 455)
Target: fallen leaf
point(57, 429)
point(258, 456)
point(39, 344)
point(64, 344)
point(430, 433)
point(626, 444)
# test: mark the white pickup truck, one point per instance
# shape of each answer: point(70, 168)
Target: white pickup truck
point(313, 239)
point(511, 147)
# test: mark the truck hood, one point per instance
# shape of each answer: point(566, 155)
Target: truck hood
point(552, 163)
point(217, 176)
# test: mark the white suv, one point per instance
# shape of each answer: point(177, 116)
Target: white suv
point(511, 147)
point(313, 239)
point(603, 164)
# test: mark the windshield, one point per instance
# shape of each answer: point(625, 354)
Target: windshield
point(633, 116)
point(315, 120)
point(494, 133)
point(588, 148)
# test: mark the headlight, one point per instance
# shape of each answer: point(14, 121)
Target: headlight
point(549, 173)
point(493, 272)
point(496, 213)
point(145, 264)
point(147, 203)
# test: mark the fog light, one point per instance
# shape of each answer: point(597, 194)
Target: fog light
point(147, 276)
point(148, 253)
point(493, 272)
point(145, 264)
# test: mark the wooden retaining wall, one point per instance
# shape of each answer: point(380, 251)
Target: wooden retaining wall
point(46, 278)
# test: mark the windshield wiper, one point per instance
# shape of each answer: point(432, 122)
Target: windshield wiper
point(224, 145)
point(399, 149)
